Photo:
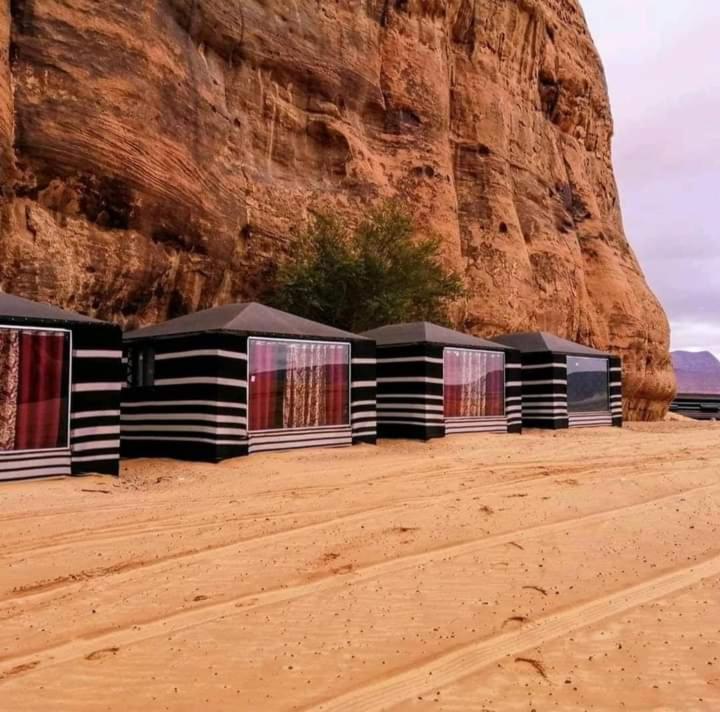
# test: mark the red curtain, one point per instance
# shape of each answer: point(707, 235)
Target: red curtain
point(41, 400)
point(295, 384)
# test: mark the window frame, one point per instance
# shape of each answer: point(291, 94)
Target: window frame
point(134, 352)
point(41, 329)
point(504, 398)
point(318, 428)
point(567, 387)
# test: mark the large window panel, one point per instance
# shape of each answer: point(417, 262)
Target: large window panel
point(34, 389)
point(588, 385)
point(474, 383)
point(298, 384)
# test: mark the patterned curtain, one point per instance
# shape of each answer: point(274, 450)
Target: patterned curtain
point(9, 376)
point(33, 390)
point(474, 384)
point(296, 384)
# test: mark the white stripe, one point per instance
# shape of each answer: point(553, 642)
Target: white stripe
point(408, 406)
point(210, 380)
point(182, 429)
point(356, 404)
point(404, 396)
point(429, 417)
point(410, 359)
point(89, 387)
point(102, 430)
point(97, 353)
point(369, 361)
point(409, 379)
point(223, 353)
point(185, 438)
point(97, 445)
point(161, 403)
point(164, 417)
point(557, 381)
point(363, 414)
point(535, 367)
point(292, 445)
point(96, 414)
point(25, 454)
point(547, 417)
point(364, 384)
point(95, 458)
point(418, 423)
point(43, 461)
point(542, 411)
point(44, 472)
point(511, 384)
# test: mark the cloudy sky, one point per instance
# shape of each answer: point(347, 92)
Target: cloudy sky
point(662, 60)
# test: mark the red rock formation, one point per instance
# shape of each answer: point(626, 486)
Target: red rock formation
point(157, 155)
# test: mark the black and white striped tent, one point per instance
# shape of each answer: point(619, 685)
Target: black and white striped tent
point(244, 378)
point(434, 381)
point(60, 379)
point(698, 406)
point(565, 384)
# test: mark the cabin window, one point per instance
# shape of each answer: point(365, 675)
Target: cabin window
point(141, 366)
point(298, 384)
point(588, 385)
point(474, 383)
point(34, 389)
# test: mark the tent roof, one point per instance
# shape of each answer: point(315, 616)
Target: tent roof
point(18, 309)
point(246, 318)
point(425, 332)
point(541, 341)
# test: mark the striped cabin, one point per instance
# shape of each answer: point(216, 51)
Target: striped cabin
point(60, 380)
point(245, 378)
point(434, 381)
point(565, 384)
point(698, 406)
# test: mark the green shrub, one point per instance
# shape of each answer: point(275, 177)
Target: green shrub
point(359, 278)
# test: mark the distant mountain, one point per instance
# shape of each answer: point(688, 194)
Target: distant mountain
point(696, 372)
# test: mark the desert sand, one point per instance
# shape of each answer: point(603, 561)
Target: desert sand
point(571, 570)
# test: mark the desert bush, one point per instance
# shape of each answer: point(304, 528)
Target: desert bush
point(360, 277)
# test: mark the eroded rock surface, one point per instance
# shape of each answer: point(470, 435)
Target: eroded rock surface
point(157, 155)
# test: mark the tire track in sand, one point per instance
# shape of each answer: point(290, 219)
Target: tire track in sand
point(40, 590)
point(11, 666)
point(469, 659)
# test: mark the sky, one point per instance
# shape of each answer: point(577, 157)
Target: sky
point(662, 62)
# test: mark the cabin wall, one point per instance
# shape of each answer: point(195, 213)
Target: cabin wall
point(616, 391)
point(197, 407)
point(544, 391)
point(363, 393)
point(97, 378)
point(410, 391)
point(513, 391)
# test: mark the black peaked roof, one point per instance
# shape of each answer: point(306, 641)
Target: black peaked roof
point(541, 341)
point(17, 309)
point(418, 332)
point(244, 318)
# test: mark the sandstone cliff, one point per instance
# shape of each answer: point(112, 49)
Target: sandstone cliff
point(156, 155)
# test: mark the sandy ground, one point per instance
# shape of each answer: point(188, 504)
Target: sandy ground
point(573, 571)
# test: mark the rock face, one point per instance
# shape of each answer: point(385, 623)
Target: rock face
point(157, 156)
point(696, 372)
